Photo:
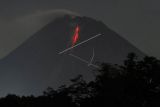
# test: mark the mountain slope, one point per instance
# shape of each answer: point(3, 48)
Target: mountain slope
point(36, 64)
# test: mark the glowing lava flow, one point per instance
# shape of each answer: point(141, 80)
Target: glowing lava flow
point(76, 35)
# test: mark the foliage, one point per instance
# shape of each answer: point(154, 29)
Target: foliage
point(136, 83)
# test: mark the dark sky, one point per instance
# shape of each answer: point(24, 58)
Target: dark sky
point(136, 20)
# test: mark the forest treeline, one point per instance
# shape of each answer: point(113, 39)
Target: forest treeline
point(136, 83)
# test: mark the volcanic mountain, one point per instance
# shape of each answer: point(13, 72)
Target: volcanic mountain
point(37, 64)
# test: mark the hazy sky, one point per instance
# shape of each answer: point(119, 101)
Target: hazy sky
point(135, 20)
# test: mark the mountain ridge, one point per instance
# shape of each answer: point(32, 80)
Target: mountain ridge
point(36, 64)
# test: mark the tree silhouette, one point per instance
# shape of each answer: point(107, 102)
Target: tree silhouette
point(136, 83)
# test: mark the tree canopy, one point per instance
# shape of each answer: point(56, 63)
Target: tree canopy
point(136, 83)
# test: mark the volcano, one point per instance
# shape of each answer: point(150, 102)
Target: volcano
point(37, 64)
